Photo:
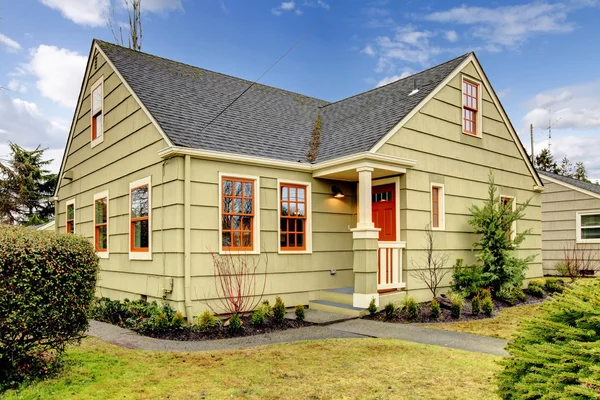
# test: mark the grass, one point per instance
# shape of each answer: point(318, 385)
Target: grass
point(503, 326)
point(336, 368)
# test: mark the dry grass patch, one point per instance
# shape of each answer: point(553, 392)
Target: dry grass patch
point(330, 369)
point(503, 326)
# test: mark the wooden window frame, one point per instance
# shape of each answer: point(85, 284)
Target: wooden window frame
point(478, 119)
point(146, 252)
point(102, 253)
point(504, 197)
point(579, 237)
point(70, 202)
point(95, 139)
point(255, 232)
point(441, 206)
point(307, 249)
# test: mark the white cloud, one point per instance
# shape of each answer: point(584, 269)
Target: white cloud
point(293, 7)
point(318, 3)
point(368, 50)
point(10, 45)
point(451, 36)
point(59, 73)
point(162, 6)
point(287, 5)
point(393, 78)
point(503, 93)
point(512, 25)
point(408, 44)
point(86, 12)
point(16, 86)
point(576, 148)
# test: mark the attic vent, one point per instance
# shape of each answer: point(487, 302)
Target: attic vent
point(415, 88)
point(96, 61)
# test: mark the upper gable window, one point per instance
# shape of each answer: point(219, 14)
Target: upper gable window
point(471, 107)
point(97, 100)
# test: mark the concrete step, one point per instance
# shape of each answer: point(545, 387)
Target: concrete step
point(342, 295)
point(338, 308)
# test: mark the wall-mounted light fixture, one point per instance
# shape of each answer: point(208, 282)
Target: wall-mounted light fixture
point(337, 192)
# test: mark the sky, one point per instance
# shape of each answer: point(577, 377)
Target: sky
point(542, 57)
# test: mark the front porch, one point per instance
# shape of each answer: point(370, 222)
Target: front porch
point(377, 245)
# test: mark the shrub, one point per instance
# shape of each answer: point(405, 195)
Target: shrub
point(47, 284)
point(267, 309)
point(556, 354)
point(467, 279)
point(390, 311)
point(487, 306)
point(279, 309)
point(234, 324)
point(536, 290)
point(435, 309)
point(162, 319)
point(511, 294)
point(475, 305)
point(372, 309)
point(554, 285)
point(258, 317)
point(456, 304)
point(300, 312)
point(410, 306)
point(561, 268)
point(207, 321)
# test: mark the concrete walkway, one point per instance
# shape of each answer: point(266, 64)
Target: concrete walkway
point(357, 328)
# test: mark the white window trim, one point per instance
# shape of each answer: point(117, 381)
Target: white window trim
point(141, 255)
point(513, 208)
point(579, 214)
point(479, 127)
point(69, 202)
point(102, 254)
point(98, 140)
point(308, 237)
point(441, 205)
point(256, 224)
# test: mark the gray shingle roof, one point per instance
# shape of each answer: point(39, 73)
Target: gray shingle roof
point(590, 187)
point(265, 121)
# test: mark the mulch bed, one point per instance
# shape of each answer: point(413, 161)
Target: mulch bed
point(424, 315)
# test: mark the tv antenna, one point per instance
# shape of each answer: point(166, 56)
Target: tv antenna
point(550, 125)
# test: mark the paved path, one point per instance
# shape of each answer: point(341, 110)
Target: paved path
point(357, 328)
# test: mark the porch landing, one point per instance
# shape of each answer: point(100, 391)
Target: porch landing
point(338, 301)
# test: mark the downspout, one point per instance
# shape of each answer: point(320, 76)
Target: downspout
point(187, 257)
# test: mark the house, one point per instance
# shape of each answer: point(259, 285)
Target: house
point(570, 218)
point(48, 226)
point(162, 169)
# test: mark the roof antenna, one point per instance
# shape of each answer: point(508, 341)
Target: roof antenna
point(415, 89)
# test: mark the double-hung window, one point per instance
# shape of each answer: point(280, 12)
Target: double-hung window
point(471, 107)
point(96, 111)
point(438, 217)
point(293, 217)
point(70, 216)
point(140, 232)
point(588, 226)
point(238, 213)
point(101, 224)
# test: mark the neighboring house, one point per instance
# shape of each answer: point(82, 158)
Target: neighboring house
point(570, 217)
point(159, 173)
point(48, 226)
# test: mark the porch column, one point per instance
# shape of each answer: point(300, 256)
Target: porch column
point(365, 237)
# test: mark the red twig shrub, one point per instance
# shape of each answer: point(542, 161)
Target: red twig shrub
point(579, 260)
point(237, 281)
point(47, 284)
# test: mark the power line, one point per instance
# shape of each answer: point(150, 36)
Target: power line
point(274, 64)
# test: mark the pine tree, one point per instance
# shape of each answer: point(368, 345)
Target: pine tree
point(545, 162)
point(566, 167)
point(497, 244)
point(26, 187)
point(580, 172)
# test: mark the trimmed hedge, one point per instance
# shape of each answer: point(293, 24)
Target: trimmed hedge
point(47, 284)
point(557, 354)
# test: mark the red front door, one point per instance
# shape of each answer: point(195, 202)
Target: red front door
point(384, 211)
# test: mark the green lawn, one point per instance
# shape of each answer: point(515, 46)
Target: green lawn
point(330, 369)
point(504, 325)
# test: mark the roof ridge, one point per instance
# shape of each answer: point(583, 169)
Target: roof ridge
point(208, 70)
point(398, 80)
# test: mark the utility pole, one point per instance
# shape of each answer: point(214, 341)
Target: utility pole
point(531, 135)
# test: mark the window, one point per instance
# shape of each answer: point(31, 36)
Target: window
point(101, 224)
point(588, 227)
point(237, 214)
point(96, 111)
point(140, 232)
point(510, 200)
point(70, 223)
point(292, 217)
point(438, 218)
point(471, 105)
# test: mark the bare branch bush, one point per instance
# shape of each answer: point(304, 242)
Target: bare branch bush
point(237, 283)
point(134, 15)
point(579, 261)
point(431, 270)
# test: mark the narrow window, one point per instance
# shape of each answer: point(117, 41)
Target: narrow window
point(140, 218)
point(237, 219)
point(293, 217)
point(101, 222)
point(508, 201)
point(96, 110)
point(435, 207)
point(588, 227)
point(470, 107)
point(70, 216)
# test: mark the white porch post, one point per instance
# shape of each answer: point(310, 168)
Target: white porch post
point(366, 246)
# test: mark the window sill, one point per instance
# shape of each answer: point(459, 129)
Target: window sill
point(238, 252)
point(588, 241)
point(283, 252)
point(97, 141)
point(478, 135)
point(102, 254)
point(141, 255)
